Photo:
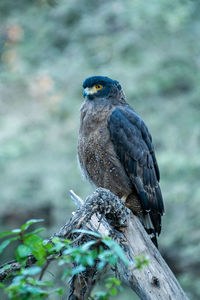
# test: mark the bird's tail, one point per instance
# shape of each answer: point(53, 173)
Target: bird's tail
point(147, 223)
point(133, 203)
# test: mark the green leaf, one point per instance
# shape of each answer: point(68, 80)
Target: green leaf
point(117, 249)
point(113, 291)
point(30, 222)
point(6, 267)
point(71, 251)
point(23, 251)
point(66, 241)
point(5, 243)
point(56, 239)
point(78, 270)
point(87, 245)
point(59, 291)
point(17, 279)
point(31, 271)
point(94, 253)
point(112, 260)
point(36, 282)
point(21, 254)
point(78, 258)
point(33, 290)
point(113, 280)
point(100, 265)
point(101, 295)
point(16, 231)
point(7, 233)
point(141, 261)
point(49, 247)
point(58, 244)
point(108, 285)
point(88, 232)
point(35, 243)
point(105, 255)
point(90, 260)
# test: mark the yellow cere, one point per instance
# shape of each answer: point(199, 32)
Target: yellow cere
point(93, 90)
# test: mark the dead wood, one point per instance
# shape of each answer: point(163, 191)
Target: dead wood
point(105, 213)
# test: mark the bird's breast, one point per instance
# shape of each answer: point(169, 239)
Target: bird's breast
point(97, 156)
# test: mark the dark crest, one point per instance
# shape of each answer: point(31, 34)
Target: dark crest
point(90, 81)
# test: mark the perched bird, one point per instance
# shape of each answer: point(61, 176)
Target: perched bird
point(115, 151)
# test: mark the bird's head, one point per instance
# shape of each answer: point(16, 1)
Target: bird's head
point(98, 87)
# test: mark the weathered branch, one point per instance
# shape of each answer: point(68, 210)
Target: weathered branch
point(13, 266)
point(155, 281)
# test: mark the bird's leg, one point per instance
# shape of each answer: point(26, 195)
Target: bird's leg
point(124, 198)
point(133, 203)
point(127, 204)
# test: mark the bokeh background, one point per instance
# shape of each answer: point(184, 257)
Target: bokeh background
point(47, 48)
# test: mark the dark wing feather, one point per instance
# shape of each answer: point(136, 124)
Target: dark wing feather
point(139, 123)
point(133, 145)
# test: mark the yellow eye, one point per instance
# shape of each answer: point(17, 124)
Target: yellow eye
point(98, 86)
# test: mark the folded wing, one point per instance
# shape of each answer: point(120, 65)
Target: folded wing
point(133, 145)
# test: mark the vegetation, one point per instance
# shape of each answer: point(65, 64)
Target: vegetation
point(28, 283)
point(47, 49)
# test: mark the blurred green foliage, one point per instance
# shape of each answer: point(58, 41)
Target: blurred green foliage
point(47, 49)
point(27, 282)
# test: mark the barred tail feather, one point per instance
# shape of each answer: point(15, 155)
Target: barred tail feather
point(147, 223)
point(151, 220)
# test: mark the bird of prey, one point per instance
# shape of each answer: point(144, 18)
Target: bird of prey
point(115, 151)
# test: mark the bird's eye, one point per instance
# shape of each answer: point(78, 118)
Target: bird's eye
point(98, 86)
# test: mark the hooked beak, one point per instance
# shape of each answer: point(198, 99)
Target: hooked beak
point(89, 91)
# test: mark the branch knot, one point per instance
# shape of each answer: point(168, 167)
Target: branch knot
point(105, 203)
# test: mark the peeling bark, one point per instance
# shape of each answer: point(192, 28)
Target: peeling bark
point(105, 213)
point(154, 281)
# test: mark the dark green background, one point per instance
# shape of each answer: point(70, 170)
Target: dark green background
point(47, 49)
